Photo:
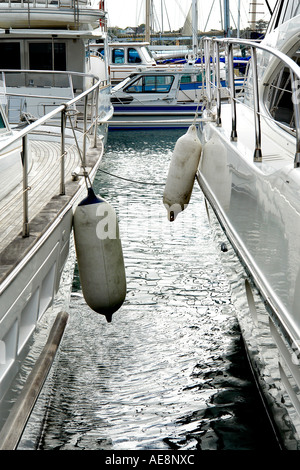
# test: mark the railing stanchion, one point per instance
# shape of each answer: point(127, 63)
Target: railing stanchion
point(207, 71)
point(257, 151)
point(218, 84)
point(25, 186)
point(63, 152)
point(84, 130)
point(96, 117)
point(296, 103)
point(232, 92)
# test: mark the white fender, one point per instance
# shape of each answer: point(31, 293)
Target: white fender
point(99, 255)
point(182, 172)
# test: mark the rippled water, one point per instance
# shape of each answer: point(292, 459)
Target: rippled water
point(170, 371)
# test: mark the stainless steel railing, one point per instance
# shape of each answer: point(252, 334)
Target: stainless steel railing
point(212, 89)
point(73, 7)
point(90, 99)
point(47, 3)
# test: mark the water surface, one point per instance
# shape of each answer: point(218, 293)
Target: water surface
point(170, 371)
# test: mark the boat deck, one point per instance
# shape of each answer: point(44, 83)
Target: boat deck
point(45, 201)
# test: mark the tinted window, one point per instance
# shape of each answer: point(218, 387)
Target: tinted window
point(279, 96)
point(118, 56)
point(151, 84)
point(186, 79)
point(292, 9)
point(41, 56)
point(2, 125)
point(284, 11)
point(10, 55)
point(133, 56)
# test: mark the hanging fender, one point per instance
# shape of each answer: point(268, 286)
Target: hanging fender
point(99, 255)
point(182, 171)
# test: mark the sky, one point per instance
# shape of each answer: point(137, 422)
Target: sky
point(123, 13)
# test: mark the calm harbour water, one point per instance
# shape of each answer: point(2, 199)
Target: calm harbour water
point(170, 371)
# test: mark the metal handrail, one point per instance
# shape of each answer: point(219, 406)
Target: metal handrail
point(59, 110)
point(47, 3)
point(253, 45)
point(55, 111)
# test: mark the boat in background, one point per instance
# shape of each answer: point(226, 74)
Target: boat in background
point(161, 98)
point(249, 173)
point(154, 99)
point(155, 94)
point(51, 145)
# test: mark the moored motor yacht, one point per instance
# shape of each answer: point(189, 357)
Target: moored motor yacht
point(150, 99)
point(50, 149)
point(249, 175)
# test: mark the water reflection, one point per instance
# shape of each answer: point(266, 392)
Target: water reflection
point(170, 371)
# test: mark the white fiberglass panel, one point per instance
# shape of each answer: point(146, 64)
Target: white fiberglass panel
point(261, 202)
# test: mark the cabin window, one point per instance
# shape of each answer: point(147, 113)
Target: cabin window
point(118, 56)
point(148, 54)
point(2, 123)
point(291, 10)
point(10, 57)
point(284, 11)
point(279, 98)
point(186, 79)
point(101, 51)
point(133, 56)
point(191, 79)
point(151, 84)
point(281, 107)
point(47, 56)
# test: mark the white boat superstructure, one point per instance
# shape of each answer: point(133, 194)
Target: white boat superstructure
point(250, 176)
point(72, 14)
point(50, 157)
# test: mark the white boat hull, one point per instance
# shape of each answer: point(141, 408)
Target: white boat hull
point(31, 270)
point(32, 263)
point(256, 206)
point(153, 117)
point(263, 341)
point(27, 293)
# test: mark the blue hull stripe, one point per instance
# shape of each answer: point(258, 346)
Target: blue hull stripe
point(155, 109)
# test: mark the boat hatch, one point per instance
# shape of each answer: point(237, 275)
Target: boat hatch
point(151, 84)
